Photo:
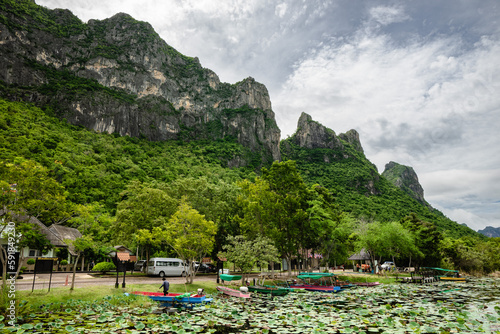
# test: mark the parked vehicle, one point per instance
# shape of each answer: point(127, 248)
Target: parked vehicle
point(167, 267)
point(207, 268)
point(139, 265)
point(388, 265)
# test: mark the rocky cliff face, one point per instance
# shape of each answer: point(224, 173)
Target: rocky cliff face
point(118, 76)
point(406, 179)
point(314, 142)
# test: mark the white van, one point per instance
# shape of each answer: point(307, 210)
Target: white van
point(164, 266)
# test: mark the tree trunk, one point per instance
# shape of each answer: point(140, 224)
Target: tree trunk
point(289, 260)
point(74, 272)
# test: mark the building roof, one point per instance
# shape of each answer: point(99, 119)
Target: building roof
point(65, 233)
point(56, 234)
point(362, 255)
point(54, 240)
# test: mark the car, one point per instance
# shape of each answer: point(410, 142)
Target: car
point(388, 265)
point(139, 265)
point(207, 268)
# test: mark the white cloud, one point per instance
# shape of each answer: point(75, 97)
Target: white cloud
point(387, 15)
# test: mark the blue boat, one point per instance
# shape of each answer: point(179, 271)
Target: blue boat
point(182, 299)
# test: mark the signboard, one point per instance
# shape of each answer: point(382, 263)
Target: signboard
point(44, 264)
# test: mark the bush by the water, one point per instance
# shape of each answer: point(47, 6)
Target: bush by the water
point(103, 267)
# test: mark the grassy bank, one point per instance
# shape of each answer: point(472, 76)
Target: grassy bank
point(64, 298)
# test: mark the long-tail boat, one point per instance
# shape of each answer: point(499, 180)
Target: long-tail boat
point(233, 292)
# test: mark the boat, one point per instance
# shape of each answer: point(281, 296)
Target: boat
point(447, 275)
point(227, 277)
point(317, 274)
point(274, 291)
point(319, 288)
point(452, 279)
point(367, 283)
point(233, 292)
point(186, 299)
point(322, 282)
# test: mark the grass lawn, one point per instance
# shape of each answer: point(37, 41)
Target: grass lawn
point(60, 296)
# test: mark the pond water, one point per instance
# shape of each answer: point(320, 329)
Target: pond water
point(470, 307)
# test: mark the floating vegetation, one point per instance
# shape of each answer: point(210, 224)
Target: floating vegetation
point(440, 308)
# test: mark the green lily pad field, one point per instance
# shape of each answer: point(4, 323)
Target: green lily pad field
point(471, 307)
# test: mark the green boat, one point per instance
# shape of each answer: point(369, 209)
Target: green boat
point(227, 277)
point(268, 290)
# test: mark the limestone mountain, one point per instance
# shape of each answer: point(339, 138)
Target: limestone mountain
point(315, 143)
point(338, 163)
point(118, 76)
point(490, 231)
point(405, 178)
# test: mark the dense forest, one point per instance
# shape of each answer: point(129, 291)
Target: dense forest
point(120, 190)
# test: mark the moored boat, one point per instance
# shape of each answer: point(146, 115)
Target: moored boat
point(233, 292)
point(275, 291)
point(227, 277)
point(319, 288)
point(367, 283)
point(452, 279)
point(175, 298)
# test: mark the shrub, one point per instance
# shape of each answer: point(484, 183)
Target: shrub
point(104, 266)
point(64, 262)
point(30, 261)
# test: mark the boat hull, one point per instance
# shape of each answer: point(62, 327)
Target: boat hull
point(453, 279)
point(227, 277)
point(173, 298)
point(233, 292)
point(267, 290)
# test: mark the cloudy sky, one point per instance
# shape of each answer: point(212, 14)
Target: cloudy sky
point(419, 80)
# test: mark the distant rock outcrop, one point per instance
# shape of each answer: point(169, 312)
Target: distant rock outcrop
point(118, 76)
point(490, 231)
point(406, 179)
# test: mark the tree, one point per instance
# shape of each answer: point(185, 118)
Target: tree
point(398, 241)
point(79, 245)
point(142, 209)
point(148, 239)
point(330, 226)
point(211, 197)
point(245, 253)
point(285, 208)
point(369, 237)
point(189, 234)
point(28, 191)
point(427, 239)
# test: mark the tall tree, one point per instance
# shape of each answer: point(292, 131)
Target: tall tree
point(289, 225)
point(142, 209)
point(189, 234)
point(28, 191)
point(427, 238)
point(245, 253)
point(330, 227)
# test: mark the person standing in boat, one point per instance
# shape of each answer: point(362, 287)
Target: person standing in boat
point(165, 285)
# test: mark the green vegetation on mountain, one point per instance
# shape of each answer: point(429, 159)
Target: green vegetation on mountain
point(97, 167)
point(358, 188)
